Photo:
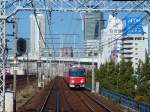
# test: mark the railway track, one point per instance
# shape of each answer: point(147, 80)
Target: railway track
point(38, 101)
point(9, 79)
point(45, 107)
point(20, 82)
point(97, 101)
point(60, 98)
point(91, 103)
point(92, 106)
point(67, 107)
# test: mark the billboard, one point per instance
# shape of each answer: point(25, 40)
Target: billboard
point(133, 25)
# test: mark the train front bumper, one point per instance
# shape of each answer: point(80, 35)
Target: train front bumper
point(76, 85)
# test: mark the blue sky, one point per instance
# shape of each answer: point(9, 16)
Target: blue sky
point(61, 23)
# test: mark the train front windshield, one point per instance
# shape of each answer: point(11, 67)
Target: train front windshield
point(77, 72)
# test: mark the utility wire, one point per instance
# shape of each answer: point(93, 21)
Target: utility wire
point(107, 43)
point(103, 42)
point(48, 16)
point(35, 15)
point(129, 13)
point(122, 34)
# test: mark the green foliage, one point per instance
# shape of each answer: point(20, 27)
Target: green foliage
point(144, 83)
point(119, 77)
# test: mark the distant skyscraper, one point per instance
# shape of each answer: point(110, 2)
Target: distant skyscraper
point(37, 36)
point(93, 24)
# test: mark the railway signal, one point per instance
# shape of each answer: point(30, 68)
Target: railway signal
point(21, 46)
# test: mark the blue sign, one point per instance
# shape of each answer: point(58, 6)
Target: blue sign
point(133, 25)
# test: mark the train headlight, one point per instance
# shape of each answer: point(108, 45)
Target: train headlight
point(82, 81)
point(72, 81)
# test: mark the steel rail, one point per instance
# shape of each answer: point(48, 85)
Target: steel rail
point(57, 97)
point(47, 97)
point(34, 94)
point(57, 102)
point(86, 104)
point(97, 101)
point(69, 105)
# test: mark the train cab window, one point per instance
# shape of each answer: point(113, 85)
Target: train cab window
point(77, 72)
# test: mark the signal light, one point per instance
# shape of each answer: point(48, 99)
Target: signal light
point(21, 46)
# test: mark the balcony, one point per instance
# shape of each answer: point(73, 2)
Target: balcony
point(127, 56)
point(127, 42)
point(127, 47)
point(127, 51)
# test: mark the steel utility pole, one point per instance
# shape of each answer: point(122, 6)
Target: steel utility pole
point(27, 67)
point(39, 68)
point(15, 61)
point(3, 57)
point(93, 74)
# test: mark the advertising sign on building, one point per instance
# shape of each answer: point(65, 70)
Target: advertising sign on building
point(133, 25)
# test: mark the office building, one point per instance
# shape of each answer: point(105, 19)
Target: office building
point(37, 33)
point(93, 24)
point(135, 47)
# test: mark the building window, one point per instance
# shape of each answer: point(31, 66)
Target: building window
point(127, 43)
point(138, 38)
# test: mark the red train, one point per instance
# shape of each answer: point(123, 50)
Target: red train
point(75, 76)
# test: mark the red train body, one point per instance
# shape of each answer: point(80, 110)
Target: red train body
point(75, 76)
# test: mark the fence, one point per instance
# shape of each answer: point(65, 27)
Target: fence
point(124, 100)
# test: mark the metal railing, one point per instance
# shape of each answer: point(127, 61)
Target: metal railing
point(124, 100)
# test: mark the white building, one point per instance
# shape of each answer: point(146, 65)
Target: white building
point(131, 47)
point(37, 36)
point(135, 46)
point(111, 41)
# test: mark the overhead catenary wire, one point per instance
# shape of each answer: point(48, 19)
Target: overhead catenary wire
point(114, 39)
point(108, 43)
point(140, 3)
point(48, 17)
point(119, 38)
point(35, 15)
point(129, 13)
point(122, 20)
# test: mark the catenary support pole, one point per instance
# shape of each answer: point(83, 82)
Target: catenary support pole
point(93, 74)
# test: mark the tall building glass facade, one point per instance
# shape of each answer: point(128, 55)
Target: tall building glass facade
point(93, 24)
